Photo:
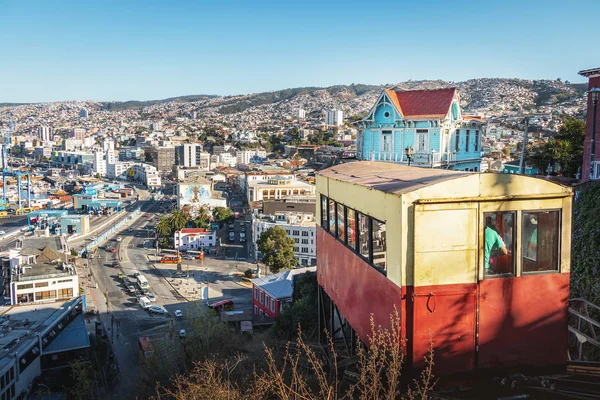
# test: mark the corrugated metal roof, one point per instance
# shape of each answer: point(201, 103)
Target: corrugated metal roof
point(388, 177)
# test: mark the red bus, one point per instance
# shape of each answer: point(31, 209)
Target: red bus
point(170, 260)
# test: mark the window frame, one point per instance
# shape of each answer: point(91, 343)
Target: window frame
point(515, 234)
point(558, 211)
point(457, 143)
point(468, 137)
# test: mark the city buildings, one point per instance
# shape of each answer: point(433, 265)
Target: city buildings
point(194, 239)
point(422, 128)
point(272, 292)
point(334, 118)
point(83, 113)
point(593, 76)
point(78, 133)
point(163, 158)
point(36, 276)
point(146, 174)
point(301, 113)
point(300, 226)
point(277, 187)
point(45, 133)
point(393, 239)
point(245, 157)
point(190, 155)
point(196, 192)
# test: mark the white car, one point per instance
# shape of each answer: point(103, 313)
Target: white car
point(178, 313)
point(2, 232)
point(182, 333)
point(119, 238)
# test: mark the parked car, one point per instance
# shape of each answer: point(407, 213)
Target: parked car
point(182, 333)
point(115, 264)
point(189, 257)
point(119, 238)
point(113, 250)
point(131, 289)
point(156, 310)
point(151, 296)
point(231, 225)
point(130, 230)
point(2, 232)
point(178, 313)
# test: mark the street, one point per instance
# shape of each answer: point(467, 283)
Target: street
point(127, 321)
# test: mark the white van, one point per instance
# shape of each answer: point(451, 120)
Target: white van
point(145, 302)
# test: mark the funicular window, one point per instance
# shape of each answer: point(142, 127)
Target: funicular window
point(351, 228)
point(341, 223)
point(499, 242)
point(379, 243)
point(324, 214)
point(364, 229)
point(331, 211)
point(540, 239)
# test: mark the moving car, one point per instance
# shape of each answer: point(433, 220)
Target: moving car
point(231, 236)
point(178, 314)
point(2, 232)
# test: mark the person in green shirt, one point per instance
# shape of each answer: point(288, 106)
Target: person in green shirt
point(492, 241)
point(532, 246)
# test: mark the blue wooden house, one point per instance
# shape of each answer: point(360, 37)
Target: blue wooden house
point(423, 128)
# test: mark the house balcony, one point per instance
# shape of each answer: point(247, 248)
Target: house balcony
point(420, 158)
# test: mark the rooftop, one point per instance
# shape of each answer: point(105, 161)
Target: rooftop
point(422, 103)
point(280, 285)
point(388, 177)
point(197, 231)
point(590, 72)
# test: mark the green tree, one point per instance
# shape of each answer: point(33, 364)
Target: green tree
point(163, 228)
point(98, 176)
point(84, 380)
point(566, 148)
point(202, 221)
point(178, 219)
point(130, 174)
point(277, 249)
point(302, 311)
point(222, 214)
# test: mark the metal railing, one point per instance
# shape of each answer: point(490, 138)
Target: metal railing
point(584, 330)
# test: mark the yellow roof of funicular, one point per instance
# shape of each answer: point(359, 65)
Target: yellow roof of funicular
point(398, 180)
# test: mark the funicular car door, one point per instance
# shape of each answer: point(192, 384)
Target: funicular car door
point(443, 296)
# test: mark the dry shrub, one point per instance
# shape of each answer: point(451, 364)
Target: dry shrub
point(301, 373)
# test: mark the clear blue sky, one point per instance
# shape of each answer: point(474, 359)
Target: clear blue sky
point(141, 50)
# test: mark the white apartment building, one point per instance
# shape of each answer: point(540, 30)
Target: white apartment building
point(223, 149)
point(278, 187)
point(228, 159)
point(116, 169)
point(72, 144)
point(334, 117)
point(299, 226)
point(45, 133)
point(301, 113)
point(147, 174)
point(108, 145)
point(100, 163)
point(194, 239)
point(40, 277)
point(245, 157)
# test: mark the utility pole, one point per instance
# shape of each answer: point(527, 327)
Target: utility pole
point(525, 136)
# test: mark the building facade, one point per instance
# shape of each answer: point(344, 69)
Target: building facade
point(272, 292)
point(278, 187)
point(188, 155)
point(194, 239)
point(245, 157)
point(299, 226)
point(334, 118)
point(428, 125)
point(45, 133)
point(163, 158)
point(591, 172)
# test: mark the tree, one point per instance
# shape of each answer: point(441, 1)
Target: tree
point(84, 380)
point(277, 249)
point(566, 148)
point(178, 219)
point(130, 174)
point(222, 214)
point(202, 221)
point(506, 151)
point(98, 176)
point(163, 228)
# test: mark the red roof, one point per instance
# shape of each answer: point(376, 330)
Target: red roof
point(194, 230)
point(423, 103)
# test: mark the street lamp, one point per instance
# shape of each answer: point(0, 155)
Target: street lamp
point(410, 152)
point(594, 92)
